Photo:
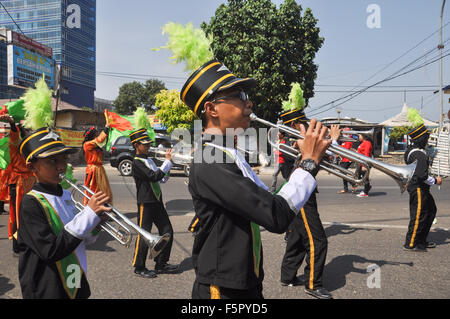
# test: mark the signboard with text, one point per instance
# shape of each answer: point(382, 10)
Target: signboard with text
point(26, 67)
point(70, 138)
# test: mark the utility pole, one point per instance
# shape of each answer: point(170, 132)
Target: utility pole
point(440, 47)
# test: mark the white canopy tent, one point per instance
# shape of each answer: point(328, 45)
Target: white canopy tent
point(399, 120)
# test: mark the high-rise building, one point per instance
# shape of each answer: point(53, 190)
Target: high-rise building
point(69, 28)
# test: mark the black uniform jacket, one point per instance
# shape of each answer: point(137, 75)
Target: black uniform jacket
point(225, 203)
point(421, 172)
point(40, 249)
point(143, 176)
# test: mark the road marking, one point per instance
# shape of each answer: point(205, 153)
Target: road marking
point(377, 225)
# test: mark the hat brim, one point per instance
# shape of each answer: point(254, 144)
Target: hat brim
point(57, 150)
point(247, 83)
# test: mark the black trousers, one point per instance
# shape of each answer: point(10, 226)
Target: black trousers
point(307, 238)
point(207, 291)
point(12, 203)
point(148, 214)
point(360, 173)
point(345, 165)
point(422, 211)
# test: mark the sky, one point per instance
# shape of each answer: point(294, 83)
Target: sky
point(362, 47)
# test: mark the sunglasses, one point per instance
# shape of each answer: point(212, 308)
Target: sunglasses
point(241, 95)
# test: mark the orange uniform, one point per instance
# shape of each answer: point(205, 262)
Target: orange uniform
point(19, 175)
point(96, 178)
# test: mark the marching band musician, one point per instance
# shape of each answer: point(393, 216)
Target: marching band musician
point(95, 178)
point(51, 238)
point(147, 177)
point(422, 207)
point(230, 201)
point(307, 237)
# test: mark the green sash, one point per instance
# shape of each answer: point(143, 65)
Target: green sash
point(154, 185)
point(57, 226)
point(256, 236)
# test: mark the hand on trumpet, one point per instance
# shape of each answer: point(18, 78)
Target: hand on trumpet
point(169, 154)
point(438, 180)
point(315, 143)
point(335, 132)
point(97, 203)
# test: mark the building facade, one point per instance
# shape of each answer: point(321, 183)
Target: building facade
point(69, 28)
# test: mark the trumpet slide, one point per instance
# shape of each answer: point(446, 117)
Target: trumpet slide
point(122, 232)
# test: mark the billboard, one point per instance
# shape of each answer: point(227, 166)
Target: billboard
point(26, 67)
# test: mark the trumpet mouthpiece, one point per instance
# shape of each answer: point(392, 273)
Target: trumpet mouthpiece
point(253, 116)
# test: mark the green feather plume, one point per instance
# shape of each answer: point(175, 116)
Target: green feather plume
point(38, 106)
point(296, 101)
point(414, 117)
point(140, 119)
point(187, 44)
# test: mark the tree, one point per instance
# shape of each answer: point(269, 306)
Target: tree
point(135, 94)
point(151, 88)
point(275, 46)
point(172, 112)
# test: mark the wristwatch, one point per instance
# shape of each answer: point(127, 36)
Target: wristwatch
point(310, 166)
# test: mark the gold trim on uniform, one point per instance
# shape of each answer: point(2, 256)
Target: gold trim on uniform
point(311, 248)
point(196, 78)
point(416, 223)
point(30, 137)
point(41, 147)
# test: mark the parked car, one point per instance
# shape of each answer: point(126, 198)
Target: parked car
point(122, 154)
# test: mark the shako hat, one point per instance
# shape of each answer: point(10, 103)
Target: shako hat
point(290, 116)
point(210, 78)
point(43, 143)
point(140, 136)
point(419, 128)
point(417, 132)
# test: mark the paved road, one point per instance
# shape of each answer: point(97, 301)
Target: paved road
point(363, 234)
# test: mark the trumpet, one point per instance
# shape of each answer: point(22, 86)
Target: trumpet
point(401, 174)
point(368, 133)
point(177, 157)
point(121, 232)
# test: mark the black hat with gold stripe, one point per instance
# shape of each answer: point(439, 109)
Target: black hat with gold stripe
point(140, 136)
point(417, 122)
point(43, 143)
point(417, 132)
point(211, 77)
point(294, 115)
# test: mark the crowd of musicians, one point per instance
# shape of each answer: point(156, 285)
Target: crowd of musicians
point(231, 202)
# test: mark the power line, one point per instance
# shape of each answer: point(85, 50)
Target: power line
point(12, 18)
point(352, 95)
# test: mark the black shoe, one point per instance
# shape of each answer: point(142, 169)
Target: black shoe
point(295, 282)
point(167, 269)
point(417, 248)
point(320, 293)
point(431, 244)
point(145, 273)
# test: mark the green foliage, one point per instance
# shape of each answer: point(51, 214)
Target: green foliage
point(275, 46)
point(135, 94)
point(399, 131)
point(172, 112)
